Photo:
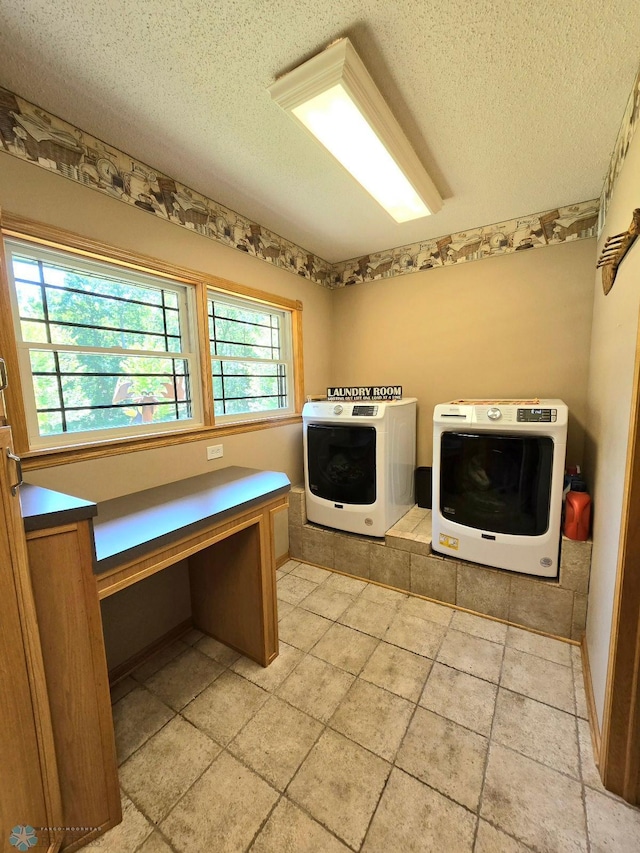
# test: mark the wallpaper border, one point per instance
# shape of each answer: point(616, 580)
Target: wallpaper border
point(551, 227)
point(35, 135)
point(38, 137)
point(628, 127)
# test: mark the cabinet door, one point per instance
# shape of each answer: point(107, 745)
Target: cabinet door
point(3, 385)
point(70, 626)
point(29, 791)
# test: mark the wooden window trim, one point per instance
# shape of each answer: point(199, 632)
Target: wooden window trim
point(57, 238)
point(37, 459)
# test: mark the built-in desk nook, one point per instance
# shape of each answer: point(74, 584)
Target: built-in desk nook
point(222, 523)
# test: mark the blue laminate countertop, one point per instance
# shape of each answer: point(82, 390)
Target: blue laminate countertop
point(126, 527)
point(43, 508)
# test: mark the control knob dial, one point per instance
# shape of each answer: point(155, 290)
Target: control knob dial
point(337, 410)
point(494, 413)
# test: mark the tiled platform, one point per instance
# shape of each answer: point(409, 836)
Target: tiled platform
point(388, 724)
point(412, 532)
point(404, 560)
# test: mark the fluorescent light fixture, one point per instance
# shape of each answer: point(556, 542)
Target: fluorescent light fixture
point(335, 99)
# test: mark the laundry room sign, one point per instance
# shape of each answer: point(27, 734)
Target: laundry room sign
point(369, 392)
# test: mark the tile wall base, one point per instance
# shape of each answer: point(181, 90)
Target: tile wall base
point(404, 560)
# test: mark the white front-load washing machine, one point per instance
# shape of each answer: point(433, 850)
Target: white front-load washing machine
point(498, 472)
point(359, 463)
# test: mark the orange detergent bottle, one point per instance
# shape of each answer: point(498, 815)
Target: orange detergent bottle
point(577, 515)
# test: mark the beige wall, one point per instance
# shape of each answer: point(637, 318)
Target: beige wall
point(512, 326)
point(135, 617)
point(613, 351)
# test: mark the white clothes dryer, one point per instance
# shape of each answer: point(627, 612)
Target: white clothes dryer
point(359, 463)
point(498, 473)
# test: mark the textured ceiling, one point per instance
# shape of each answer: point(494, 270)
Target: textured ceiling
point(513, 107)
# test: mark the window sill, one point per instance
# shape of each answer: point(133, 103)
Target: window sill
point(50, 457)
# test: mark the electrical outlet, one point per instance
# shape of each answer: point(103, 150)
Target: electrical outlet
point(215, 451)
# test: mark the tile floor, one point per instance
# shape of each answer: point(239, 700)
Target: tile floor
point(387, 723)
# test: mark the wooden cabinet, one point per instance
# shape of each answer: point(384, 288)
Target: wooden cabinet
point(70, 628)
point(29, 786)
point(57, 752)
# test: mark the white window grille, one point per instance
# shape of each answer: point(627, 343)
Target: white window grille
point(251, 358)
point(104, 350)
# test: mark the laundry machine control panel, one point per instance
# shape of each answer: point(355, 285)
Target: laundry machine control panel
point(538, 416)
point(365, 411)
point(502, 414)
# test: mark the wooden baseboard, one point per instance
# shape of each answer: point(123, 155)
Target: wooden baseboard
point(119, 672)
point(280, 561)
point(594, 725)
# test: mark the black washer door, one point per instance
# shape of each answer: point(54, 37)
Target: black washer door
point(342, 463)
point(497, 483)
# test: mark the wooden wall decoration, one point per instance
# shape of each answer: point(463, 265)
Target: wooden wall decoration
point(614, 250)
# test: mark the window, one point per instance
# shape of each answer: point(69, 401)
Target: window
point(250, 349)
point(114, 349)
point(100, 348)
